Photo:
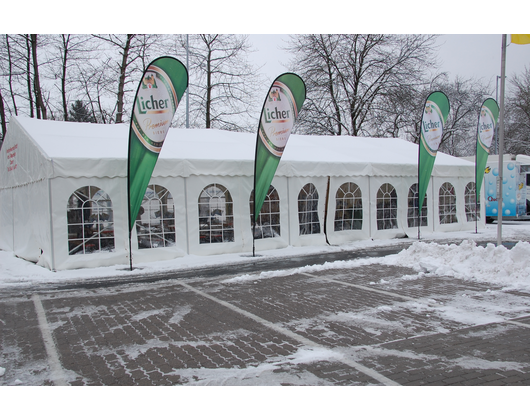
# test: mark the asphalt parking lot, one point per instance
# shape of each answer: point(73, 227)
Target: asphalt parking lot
point(372, 325)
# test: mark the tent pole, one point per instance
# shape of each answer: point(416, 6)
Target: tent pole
point(130, 251)
point(254, 239)
point(419, 219)
point(326, 212)
point(476, 191)
point(476, 204)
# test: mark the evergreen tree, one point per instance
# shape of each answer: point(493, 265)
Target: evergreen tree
point(80, 113)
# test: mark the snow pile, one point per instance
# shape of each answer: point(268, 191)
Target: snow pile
point(508, 267)
point(468, 261)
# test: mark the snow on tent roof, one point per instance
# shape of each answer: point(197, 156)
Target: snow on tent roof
point(84, 149)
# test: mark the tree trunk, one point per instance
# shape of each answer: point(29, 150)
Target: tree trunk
point(66, 41)
point(208, 88)
point(28, 75)
point(11, 76)
point(41, 109)
point(121, 85)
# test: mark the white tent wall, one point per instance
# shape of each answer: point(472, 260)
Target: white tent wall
point(459, 184)
point(177, 189)
point(62, 189)
point(412, 232)
point(344, 236)
point(7, 224)
point(239, 190)
point(32, 240)
point(54, 159)
point(295, 187)
point(25, 207)
point(401, 189)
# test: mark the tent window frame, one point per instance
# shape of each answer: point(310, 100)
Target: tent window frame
point(413, 211)
point(447, 204)
point(90, 221)
point(157, 231)
point(308, 210)
point(348, 207)
point(216, 215)
point(470, 202)
point(387, 207)
point(268, 223)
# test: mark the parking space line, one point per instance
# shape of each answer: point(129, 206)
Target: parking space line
point(521, 324)
point(369, 289)
point(301, 339)
point(57, 373)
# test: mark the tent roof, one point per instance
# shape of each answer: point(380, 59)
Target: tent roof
point(100, 150)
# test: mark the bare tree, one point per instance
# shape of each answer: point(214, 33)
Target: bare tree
point(317, 58)
point(460, 130)
point(10, 73)
point(23, 73)
point(67, 54)
point(222, 82)
point(39, 101)
point(349, 77)
point(125, 62)
point(517, 117)
point(403, 115)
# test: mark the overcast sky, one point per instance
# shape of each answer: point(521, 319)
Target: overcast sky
point(477, 56)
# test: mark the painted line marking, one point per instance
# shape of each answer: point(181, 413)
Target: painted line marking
point(521, 324)
point(57, 372)
point(369, 289)
point(303, 340)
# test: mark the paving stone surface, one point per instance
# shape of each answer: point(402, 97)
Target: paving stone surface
point(372, 325)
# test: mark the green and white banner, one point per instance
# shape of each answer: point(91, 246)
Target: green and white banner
point(280, 110)
point(157, 98)
point(487, 121)
point(435, 115)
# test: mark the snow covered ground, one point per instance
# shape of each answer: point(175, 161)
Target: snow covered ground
point(507, 268)
point(465, 259)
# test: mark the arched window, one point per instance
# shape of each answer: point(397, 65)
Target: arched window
point(216, 215)
point(386, 203)
point(413, 213)
point(447, 204)
point(349, 207)
point(268, 223)
point(155, 223)
point(470, 205)
point(308, 210)
point(90, 221)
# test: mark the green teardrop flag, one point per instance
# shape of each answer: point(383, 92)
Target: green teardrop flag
point(157, 98)
point(435, 115)
point(280, 110)
point(487, 121)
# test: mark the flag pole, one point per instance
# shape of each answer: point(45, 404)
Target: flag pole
point(501, 142)
point(187, 90)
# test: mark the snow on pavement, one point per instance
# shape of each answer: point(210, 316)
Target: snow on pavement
point(465, 260)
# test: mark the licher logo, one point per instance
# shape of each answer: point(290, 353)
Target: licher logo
point(156, 103)
point(277, 118)
point(432, 126)
point(149, 81)
point(486, 127)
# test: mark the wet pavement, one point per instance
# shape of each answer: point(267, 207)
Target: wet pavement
point(369, 325)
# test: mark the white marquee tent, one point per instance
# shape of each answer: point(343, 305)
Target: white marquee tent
point(63, 194)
